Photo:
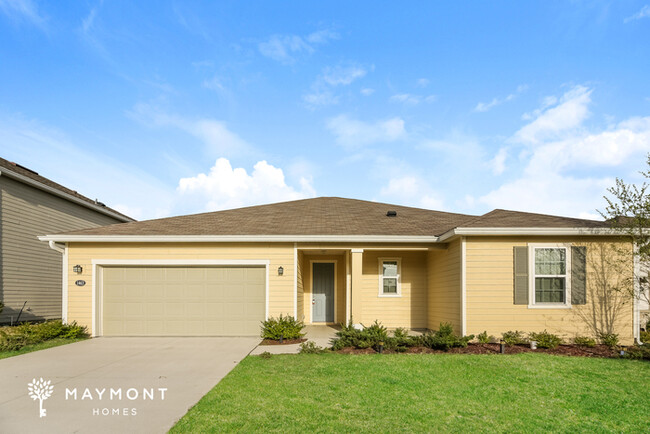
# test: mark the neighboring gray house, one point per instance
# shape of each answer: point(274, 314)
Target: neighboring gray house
point(30, 271)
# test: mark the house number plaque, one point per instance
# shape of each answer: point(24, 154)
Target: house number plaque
point(80, 282)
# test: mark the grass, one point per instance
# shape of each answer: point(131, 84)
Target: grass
point(40, 346)
point(449, 393)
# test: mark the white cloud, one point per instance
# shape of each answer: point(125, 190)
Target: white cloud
point(550, 181)
point(320, 98)
point(321, 92)
point(88, 23)
point(422, 82)
point(215, 84)
point(405, 98)
point(224, 187)
point(485, 106)
point(552, 122)
point(367, 91)
point(410, 99)
point(215, 135)
point(23, 10)
point(354, 133)
point(342, 75)
point(284, 48)
point(643, 13)
point(499, 161)
point(411, 190)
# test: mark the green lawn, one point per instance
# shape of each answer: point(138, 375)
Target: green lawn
point(40, 346)
point(458, 393)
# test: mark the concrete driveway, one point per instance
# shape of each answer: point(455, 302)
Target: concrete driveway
point(159, 380)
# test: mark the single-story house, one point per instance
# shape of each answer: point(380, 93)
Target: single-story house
point(333, 260)
point(30, 272)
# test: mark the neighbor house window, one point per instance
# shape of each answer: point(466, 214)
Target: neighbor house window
point(550, 275)
point(389, 277)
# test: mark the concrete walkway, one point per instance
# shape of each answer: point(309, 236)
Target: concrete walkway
point(321, 335)
point(159, 379)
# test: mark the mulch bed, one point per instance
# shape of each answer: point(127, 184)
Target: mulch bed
point(284, 342)
point(562, 350)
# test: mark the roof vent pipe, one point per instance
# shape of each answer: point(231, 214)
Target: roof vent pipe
point(391, 214)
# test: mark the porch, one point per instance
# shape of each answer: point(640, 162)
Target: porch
point(414, 287)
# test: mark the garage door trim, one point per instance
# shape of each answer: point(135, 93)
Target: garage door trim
point(97, 264)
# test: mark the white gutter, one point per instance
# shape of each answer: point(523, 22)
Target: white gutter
point(53, 246)
point(238, 238)
point(64, 195)
point(64, 280)
point(528, 231)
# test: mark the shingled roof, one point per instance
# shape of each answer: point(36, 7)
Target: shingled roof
point(501, 218)
point(24, 172)
point(330, 216)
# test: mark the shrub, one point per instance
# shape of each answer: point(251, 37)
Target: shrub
point(483, 338)
point(266, 355)
point(513, 337)
point(638, 352)
point(401, 341)
point(444, 338)
point(286, 326)
point(609, 339)
point(645, 337)
point(545, 339)
point(310, 347)
point(584, 341)
point(14, 338)
point(367, 337)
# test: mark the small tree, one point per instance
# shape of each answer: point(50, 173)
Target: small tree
point(628, 211)
point(608, 288)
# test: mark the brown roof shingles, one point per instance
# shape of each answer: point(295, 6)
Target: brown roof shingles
point(331, 216)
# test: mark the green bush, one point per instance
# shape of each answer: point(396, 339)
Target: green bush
point(545, 339)
point(638, 352)
point(401, 340)
point(513, 337)
point(367, 337)
point(286, 326)
point(584, 341)
point(483, 338)
point(645, 337)
point(609, 339)
point(14, 338)
point(310, 347)
point(444, 338)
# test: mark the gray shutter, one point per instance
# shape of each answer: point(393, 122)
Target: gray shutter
point(521, 275)
point(578, 275)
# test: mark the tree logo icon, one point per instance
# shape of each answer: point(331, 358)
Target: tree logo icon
point(40, 390)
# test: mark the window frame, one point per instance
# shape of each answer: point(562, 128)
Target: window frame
point(382, 277)
point(532, 304)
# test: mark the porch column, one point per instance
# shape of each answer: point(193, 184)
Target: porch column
point(357, 282)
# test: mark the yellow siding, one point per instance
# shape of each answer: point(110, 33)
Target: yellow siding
point(80, 297)
point(444, 278)
point(409, 310)
point(300, 287)
point(339, 307)
point(490, 289)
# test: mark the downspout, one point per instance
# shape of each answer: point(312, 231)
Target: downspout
point(64, 279)
point(53, 246)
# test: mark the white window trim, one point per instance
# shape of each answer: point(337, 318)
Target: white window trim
point(381, 277)
point(531, 277)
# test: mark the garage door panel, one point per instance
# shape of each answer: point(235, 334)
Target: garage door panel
point(183, 301)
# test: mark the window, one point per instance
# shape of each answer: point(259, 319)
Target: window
point(389, 278)
point(550, 277)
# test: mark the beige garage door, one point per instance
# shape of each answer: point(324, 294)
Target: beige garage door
point(183, 301)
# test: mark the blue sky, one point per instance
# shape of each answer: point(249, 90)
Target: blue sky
point(167, 108)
